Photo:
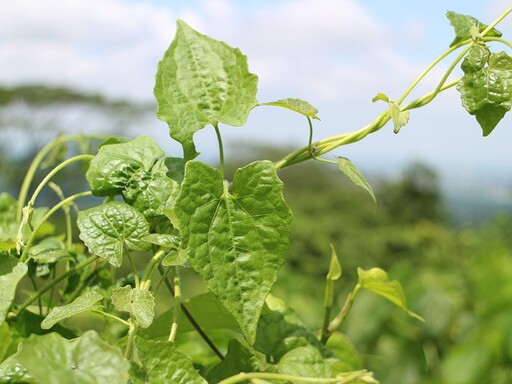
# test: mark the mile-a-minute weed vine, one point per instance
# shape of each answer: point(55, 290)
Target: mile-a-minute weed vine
point(176, 213)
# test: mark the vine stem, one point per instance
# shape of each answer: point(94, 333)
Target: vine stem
point(344, 378)
point(29, 176)
point(51, 284)
point(497, 21)
point(336, 322)
point(129, 344)
point(221, 149)
point(113, 317)
point(190, 318)
point(24, 255)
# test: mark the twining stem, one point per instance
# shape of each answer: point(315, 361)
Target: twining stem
point(150, 270)
point(336, 322)
point(24, 255)
point(52, 283)
point(343, 378)
point(496, 22)
point(29, 176)
point(67, 216)
point(131, 336)
point(191, 319)
point(221, 149)
point(177, 303)
point(134, 270)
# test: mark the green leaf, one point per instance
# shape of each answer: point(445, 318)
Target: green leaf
point(83, 303)
point(163, 363)
point(280, 330)
point(343, 348)
point(202, 81)
point(335, 270)
point(49, 250)
point(296, 105)
point(350, 170)
point(7, 339)
point(11, 272)
point(163, 240)
point(238, 359)
point(377, 281)
point(112, 229)
point(464, 26)
point(116, 165)
point(152, 193)
point(139, 303)
point(235, 237)
point(84, 360)
point(486, 87)
point(305, 361)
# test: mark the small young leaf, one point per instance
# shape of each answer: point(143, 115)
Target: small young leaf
point(335, 270)
point(111, 229)
point(296, 105)
point(382, 97)
point(139, 303)
point(377, 281)
point(163, 363)
point(464, 25)
point(88, 359)
point(400, 118)
point(116, 165)
point(83, 303)
point(344, 349)
point(349, 169)
point(11, 272)
point(238, 359)
point(202, 81)
point(486, 87)
point(235, 239)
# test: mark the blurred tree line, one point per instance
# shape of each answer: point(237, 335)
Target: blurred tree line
point(458, 279)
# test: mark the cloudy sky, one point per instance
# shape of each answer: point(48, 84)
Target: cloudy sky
point(337, 54)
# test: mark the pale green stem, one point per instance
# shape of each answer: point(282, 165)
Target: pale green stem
point(221, 149)
point(131, 336)
point(498, 40)
point(67, 216)
point(496, 22)
point(336, 322)
point(150, 270)
point(344, 378)
point(24, 255)
point(29, 176)
point(134, 270)
point(113, 317)
point(177, 303)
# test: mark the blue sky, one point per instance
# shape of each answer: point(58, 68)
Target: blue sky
point(337, 54)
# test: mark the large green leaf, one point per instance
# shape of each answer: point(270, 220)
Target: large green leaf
point(49, 250)
point(83, 303)
point(355, 176)
point(11, 272)
point(111, 229)
point(88, 359)
point(164, 364)
point(486, 87)
point(377, 281)
point(466, 26)
point(138, 302)
point(236, 235)
point(116, 165)
point(202, 81)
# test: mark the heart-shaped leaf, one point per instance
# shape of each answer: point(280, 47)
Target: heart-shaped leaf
point(235, 237)
point(486, 87)
point(138, 302)
point(464, 25)
point(111, 229)
point(202, 81)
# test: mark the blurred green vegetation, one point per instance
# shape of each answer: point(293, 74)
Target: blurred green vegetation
point(458, 278)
